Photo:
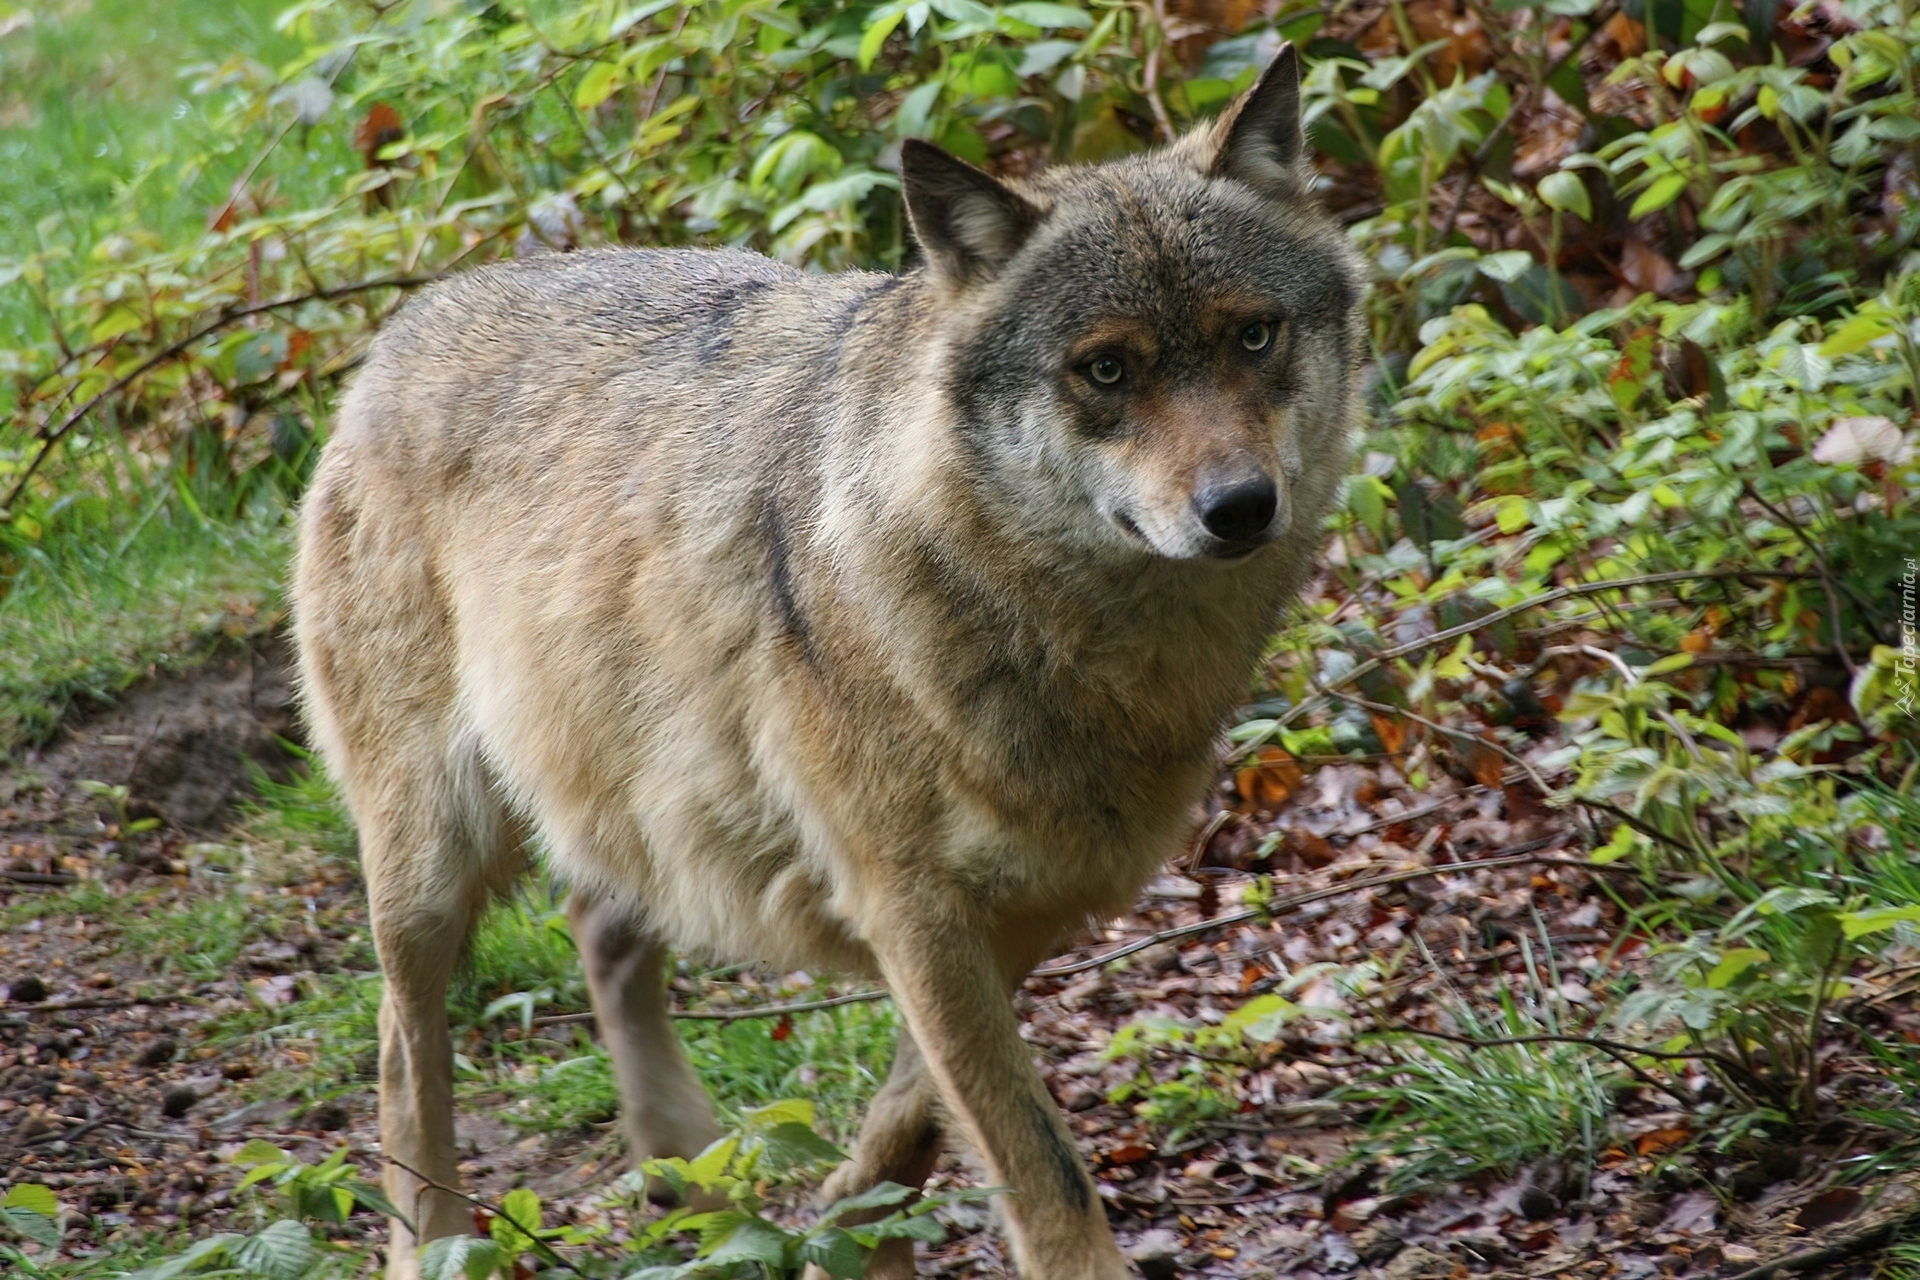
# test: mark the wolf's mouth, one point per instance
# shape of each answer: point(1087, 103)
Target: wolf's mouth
point(1132, 530)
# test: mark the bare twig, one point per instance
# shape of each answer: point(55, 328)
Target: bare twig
point(230, 315)
point(1826, 575)
point(1893, 1228)
point(1480, 153)
point(539, 1246)
point(39, 877)
point(1382, 708)
point(1520, 855)
point(1592, 1042)
point(116, 1002)
point(735, 1015)
point(1542, 600)
point(1150, 73)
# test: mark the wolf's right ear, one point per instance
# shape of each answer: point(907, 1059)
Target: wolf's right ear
point(1258, 139)
point(968, 222)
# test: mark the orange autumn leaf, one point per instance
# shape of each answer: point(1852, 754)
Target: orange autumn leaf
point(1266, 783)
point(381, 126)
point(1392, 733)
point(1486, 765)
point(1658, 1140)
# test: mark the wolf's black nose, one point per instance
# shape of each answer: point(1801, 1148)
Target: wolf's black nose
point(1238, 511)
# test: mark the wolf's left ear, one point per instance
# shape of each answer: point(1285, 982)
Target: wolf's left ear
point(968, 222)
point(1257, 138)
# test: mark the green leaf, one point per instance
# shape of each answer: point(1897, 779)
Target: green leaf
point(1733, 964)
point(522, 1204)
point(602, 81)
point(1367, 499)
point(120, 320)
point(1622, 844)
point(1857, 924)
point(1506, 266)
point(453, 1257)
point(196, 1253)
point(791, 1145)
point(1802, 365)
point(1705, 250)
point(711, 1163)
point(922, 1227)
point(878, 1196)
point(1665, 190)
point(34, 1198)
point(12, 1255)
point(1858, 333)
point(774, 1114)
point(260, 1173)
point(33, 1225)
point(835, 1252)
point(1667, 665)
point(281, 1250)
point(1262, 1017)
point(1563, 190)
point(876, 36)
point(755, 1240)
point(1035, 13)
point(373, 1198)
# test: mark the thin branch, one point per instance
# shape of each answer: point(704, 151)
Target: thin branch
point(1385, 709)
point(540, 1246)
point(1826, 575)
point(229, 316)
point(1518, 856)
point(1545, 598)
point(39, 877)
point(734, 1015)
point(1481, 153)
point(1592, 1042)
point(1893, 1228)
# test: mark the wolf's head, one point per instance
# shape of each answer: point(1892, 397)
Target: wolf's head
point(1152, 355)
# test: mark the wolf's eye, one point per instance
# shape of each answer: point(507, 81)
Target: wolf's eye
point(1105, 370)
point(1256, 336)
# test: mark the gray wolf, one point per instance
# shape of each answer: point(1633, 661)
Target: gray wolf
point(883, 624)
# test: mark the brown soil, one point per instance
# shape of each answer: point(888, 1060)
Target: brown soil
point(181, 742)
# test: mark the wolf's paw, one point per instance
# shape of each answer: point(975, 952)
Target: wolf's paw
point(893, 1260)
point(840, 1184)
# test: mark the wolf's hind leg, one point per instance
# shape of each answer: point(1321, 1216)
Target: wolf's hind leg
point(664, 1108)
point(430, 868)
point(899, 1142)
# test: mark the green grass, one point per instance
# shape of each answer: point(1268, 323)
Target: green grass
point(835, 1058)
point(86, 613)
point(109, 106)
point(560, 1080)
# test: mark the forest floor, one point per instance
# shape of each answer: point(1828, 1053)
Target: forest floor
point(182, 990)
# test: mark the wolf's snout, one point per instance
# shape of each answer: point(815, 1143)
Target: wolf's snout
point(1237, 510)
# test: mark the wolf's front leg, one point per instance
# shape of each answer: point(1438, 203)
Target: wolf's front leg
point(953, 995)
